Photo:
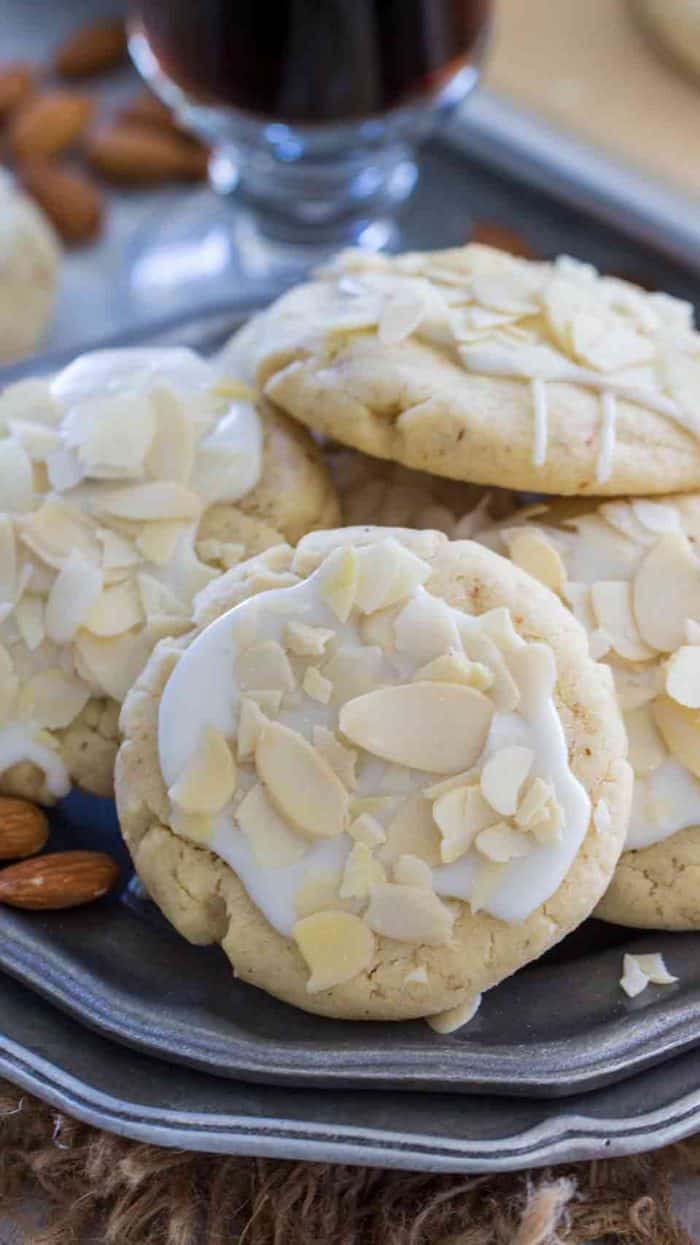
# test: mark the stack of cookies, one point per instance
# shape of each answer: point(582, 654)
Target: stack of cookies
point(377, 705)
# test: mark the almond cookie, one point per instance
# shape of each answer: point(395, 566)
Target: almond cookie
point(629, 570)
point(383, 773)
point(481, 366)
point(30, 255)
point(128, 482)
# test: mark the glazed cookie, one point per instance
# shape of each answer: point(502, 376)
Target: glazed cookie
point(630, 572)
point(383, 773)
point(30, 254)
point(127, 483)
point(374, 491)
point(481, 366)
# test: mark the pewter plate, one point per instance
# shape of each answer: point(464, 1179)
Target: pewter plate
point(560, 1026)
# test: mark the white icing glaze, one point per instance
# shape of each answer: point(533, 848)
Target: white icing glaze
point(203, 691)
point(663, 802)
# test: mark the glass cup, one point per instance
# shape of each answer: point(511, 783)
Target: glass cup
point(314, 110)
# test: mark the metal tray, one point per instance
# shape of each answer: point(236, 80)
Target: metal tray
point(120, 970)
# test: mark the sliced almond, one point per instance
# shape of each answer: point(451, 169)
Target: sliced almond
point(375, 805)
point(633, 980)
point(52, 699)
point(29, 617)
point(612, 606)
point(74, 592)
point(318, 892)
point(503, 776)
point(412, 831)
point(266, 667)
point(170, 454)
point(455, 1017)
point(353, 670)
point(412, 871)
point(680, 730)
point(111, 664)
point(366, 829)
point(158, 540)
point(361, 872)
point(118, 553)
point(251, 723)
point(531, 550)
point(387, 572)
point(301, 784)
point(635, 687)
point(37, 440)
point(198, 827)
point(646, 748)
point(209, 779)
point(377, 629)
point(162, 499)
point(111, 433)
point(500, 843)
point(305, 641)
point(274, 845)
point(402, 313)
point(338, 581)
point(269, 701)
point(504, 691)
point(539, 812)
point(455, 668)
point(654, 968)
point(16, 477)
point(336, 945)
point(666, 592)
point(440, 728)
point(9, 685)
point(683, 676)
point(425, 628)
point(341, 759)
point(116, 610)
point(656, 516)
point(534, 669)
point(409, 914)
point(460, 815)
point(316, 686)
point(56, 530)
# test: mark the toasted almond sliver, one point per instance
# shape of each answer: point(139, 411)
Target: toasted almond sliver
point(209, 779)
point(75, 590)
point(305, 641)
point(500, 843)
point(362, 871)
point(683, 676)
point(161, 499)
point(366, 829)
point(666, 592)
point(338, 581)
point(387, 572)
point(455, 1017)
point(341, 759)
point(301, 784)
point(455, 668)
point(336, 945)
point(533, 552)
point(437, 727)
point(52, 699)
point(316, 686)
point(409, 914)
point(251, 723)
point(646, 748)
point(117, 609)
point(274, 845)
point(654, 968)
point(412, 871)
point(680, 730)
point(503, 776)
point(460, 815)
point(265, 667)
point(612, 606)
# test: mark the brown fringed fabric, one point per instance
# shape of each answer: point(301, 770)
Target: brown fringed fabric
point(102, 1188)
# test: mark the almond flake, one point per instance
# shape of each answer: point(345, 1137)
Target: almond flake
point(305, 641)
point(8, 559)
point(599, 644)
point(377, 629)
point(412, 871)
point(683, 676)
point(680, 730)
point(64, 470)
point(366, 829)
point(194, 826)
point(455, 1017)
point(612, 604)
point(503, 776)
point(118, 553)
point(38, 440)
point(170, 455)
point(501, 844)
point(455, 668)
point(534, 669)
point(530, 549)
point(655, 970)
point(75, 590)
point(656, 516)
point(269, 701)
point(425, 628)
point(9, 685)
point(666, 592)
point(158, 540)
point(402, 313)
point(540, 813)
point(301, 784)
point(466, 778)
point(504, 691)
point(111, 664)
point(144, 502)
point(56, 530)
point(440, 728)
point(409, 914)
point(412, 831)
point(460, 815)
point(16, 478)
point(337, 946)
point(353, 671)
point(508, 291)
point(265, 667)
point(116, 610)
point(155, 597)
point(209, 779)
point(316, 686)
point(251, 723)
point(633, 980)
point(361, 872)
point(274, 845)
point(341, 759)
point(29, 617)
point(635, 687)
point(387, 572)
point(372, 804)
point(318, 892)
point(338, 581)
point(52, 699)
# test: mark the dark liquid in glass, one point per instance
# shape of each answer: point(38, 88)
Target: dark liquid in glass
point(311, 60)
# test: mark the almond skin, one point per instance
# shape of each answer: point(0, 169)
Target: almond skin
point(58, 880)
point(142, 155)
point(48, 123)
point(17, 83)
point(24, 829)
point(71, 200)
point(91, 49)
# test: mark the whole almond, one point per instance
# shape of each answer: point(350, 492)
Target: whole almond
point(16, 85)
point(48, 123)
point(58, 880)
point(141, 155)
point(23, 828)
point(71, 200)
point(91, 49)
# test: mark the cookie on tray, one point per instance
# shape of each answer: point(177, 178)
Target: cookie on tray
point(28, 272)
point(482, 366)
point(630, 572)
point(383, 773)
point(128, 482)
